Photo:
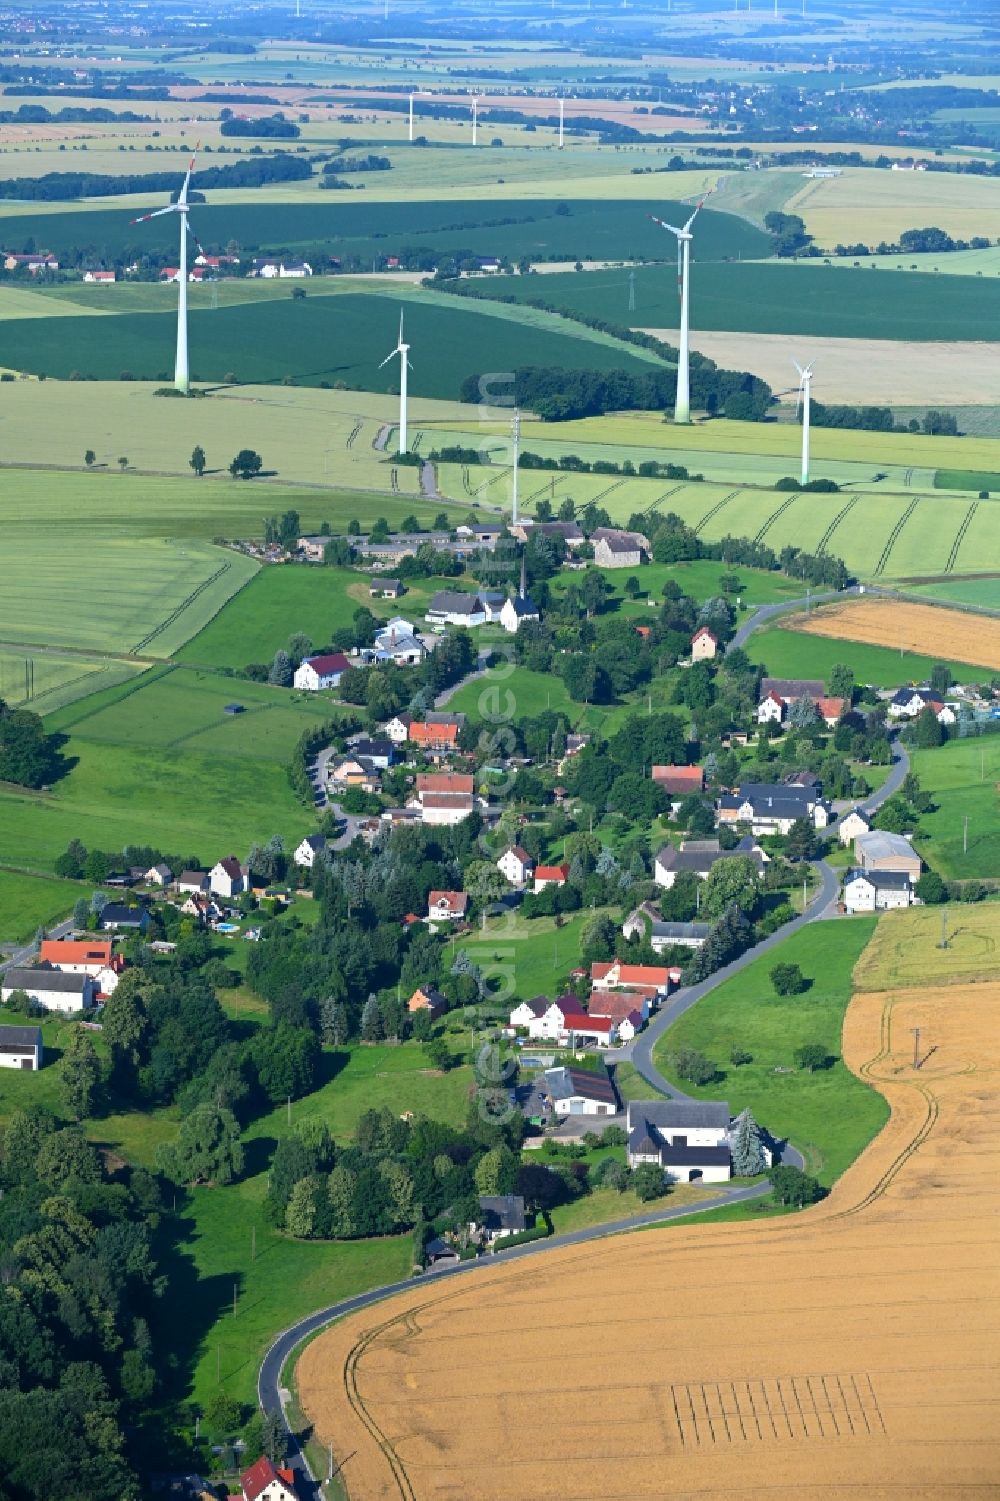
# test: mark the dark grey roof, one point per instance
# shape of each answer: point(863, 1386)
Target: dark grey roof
point(565, 1083)
point(46, 979)
point(794, 793)
point(20, 1037)
point(769, 806)
point(523, 606)
point(641, 1144)
point(700, 855)
point(793, 687)
point(441, 1250)
point(441, 716)
point(699, 930)
point(454, 602)
point(903, 696)
point(889, 880)
point(374, 748)
point(680, 1115)
point(315, 841)
point(130, 917)
point(672, 1156)
point(502, 1211)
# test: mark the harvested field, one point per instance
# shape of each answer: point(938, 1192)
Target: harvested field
point(847, 1350)
point(926, 629)
point(858, 370)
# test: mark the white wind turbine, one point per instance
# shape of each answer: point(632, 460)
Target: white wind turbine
point(182, 377)
point(682, 401)
point(403, 350)
point(805, 400)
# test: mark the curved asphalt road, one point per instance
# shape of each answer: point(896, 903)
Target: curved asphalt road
point(641, 1055)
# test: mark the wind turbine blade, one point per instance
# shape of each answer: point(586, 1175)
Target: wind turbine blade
point(798, 368)
point(182, 196)
point(400, 345)
point(157, 214)
point(194, 237)
point(392, 353)
point(664, 225)
point(680, 267)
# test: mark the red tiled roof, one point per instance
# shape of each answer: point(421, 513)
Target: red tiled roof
point(447, 800)
point(703, 630)
point(434, 734)
point(261, 1475)
point(679, 776)
point(551, 872)
point(76, 951)
point(831, 708)
point(329, 662)
point(443, 781)
point(579, 1021)
point(455, 901)
point(630, 974)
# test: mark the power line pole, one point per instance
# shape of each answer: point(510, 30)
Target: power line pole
point(517, 460)
point(916, 1046)
point(965, 835)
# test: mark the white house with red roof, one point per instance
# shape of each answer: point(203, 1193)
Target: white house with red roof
point(102, 278)
point(614, 975)
point(704, 644)
point(324, 671)
point(562, 1019)
point(265, 1481)
point(446, 906)
point(550, 875)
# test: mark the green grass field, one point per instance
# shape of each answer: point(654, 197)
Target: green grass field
point(531, 958)
point(542, 229)
point(779, 299)
point(967, 479)
point(829, 1115)
point(906, 948)
point(796, 654)
point(55, 678)
point(29, 902)
point(318, 339)
point(962, 779)
point(982, 593)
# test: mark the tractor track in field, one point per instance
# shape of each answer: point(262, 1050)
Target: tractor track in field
point(657, 503)
point(844, 511)
point(353, 434)
point(960, 536)
point(894, 536)
point(602, 494)
point(762, 532)
point(184, 604)
point(714, 511)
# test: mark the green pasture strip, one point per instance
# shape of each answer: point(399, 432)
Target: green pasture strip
point(830, 1115)
point(786, 653)
point(29, 902)
point(961, 837)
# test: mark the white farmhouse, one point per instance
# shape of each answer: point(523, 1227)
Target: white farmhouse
point(52, 988)
point(324, 671)
point(877, 890)
point(21, 1047)
point(852, 824)
point(689, 1139)
point(516, 865)
point(226, 877)
point(311, 846)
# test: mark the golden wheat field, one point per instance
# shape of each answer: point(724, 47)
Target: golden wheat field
point(928, 630)
point(849, 1350)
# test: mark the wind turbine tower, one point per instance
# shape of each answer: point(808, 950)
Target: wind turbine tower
point(682, 402)
point(631, 290)
point(805, 400)
point(516, 448)
point(182, 378)
point(562, 123)
point(403, 350)
point(475, 119)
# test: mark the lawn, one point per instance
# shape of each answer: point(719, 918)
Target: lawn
point(30, 902)
point(527, 958)
point(700, 580)
point(830, 1115)
point(776, 298)
point(196, 804)
point(788, 653)
point(607, 1204)
point(184, 707)
point(962, 779)
point(967, 479)
point(982, 593)
point(906, 948)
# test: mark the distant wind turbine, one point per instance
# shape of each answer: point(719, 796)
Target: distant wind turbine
point(403, 350)
point(182, 378)
point(805, 400)
point(682, 401)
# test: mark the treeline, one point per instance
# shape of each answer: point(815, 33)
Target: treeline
point(929, 241)
point(881, 420)
point(267, 127)
point(77, 1297)
point(558, 395)
point(253, 172)
point(674, 541)
point(37, 114)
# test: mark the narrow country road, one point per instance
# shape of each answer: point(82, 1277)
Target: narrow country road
point(25, 954)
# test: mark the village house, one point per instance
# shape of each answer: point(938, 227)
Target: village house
point(614, 548)
point(500, 1215)
point(93, 956)
point(380, 753)
point(772, 808)
point(908, 703)
point(192, 880)
point(663, 935)
point(397, 642)
point(306, 852)
point(434, 739)
point(426, 998)
point(550, 875)
point(21, 1047)
point(50, 988)
point(226, 878)
point(444, 797)
point(526, 1012)
point(852, 824)
point(264, 1481)
point(383, 588)
point(452, 607)
point(615, 975)
point(562, 1020)
point(517, 865)
point(616, 1005)
point(397, 729)
point(158, 875)
point(100, 278)
point(566, 531)
point(704, 645)
point(204, 909)
point(881, 851)
point(680, 781)
point(578, 1091)
point(698, 856)
point(688, 1139)
point(121, 919)
point(324, 671)
point(313, 549)
point(447, 906)
point(877, 890)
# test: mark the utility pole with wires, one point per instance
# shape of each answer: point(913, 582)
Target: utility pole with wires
point(965, 835)
point(944, 928)
point(916, 1046)
point(516, 433)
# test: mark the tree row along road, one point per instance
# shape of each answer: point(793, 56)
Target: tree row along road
point(269, 1388)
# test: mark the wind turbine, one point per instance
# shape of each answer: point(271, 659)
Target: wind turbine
point(682, 401)
point(804, 400)
point(181, 373)
point(475, 119)
point(416, 94)
point(403, 350)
